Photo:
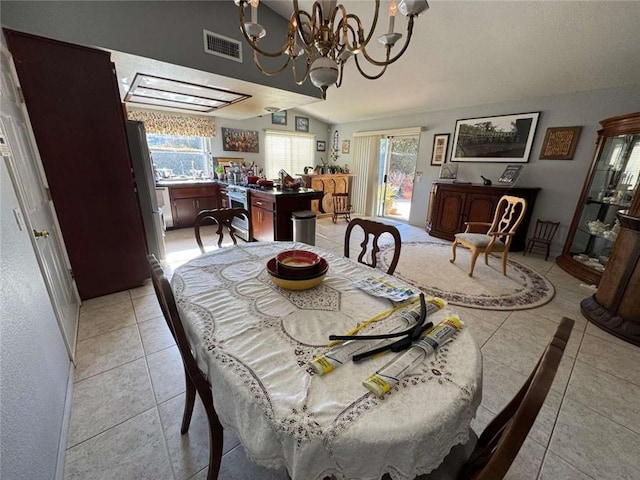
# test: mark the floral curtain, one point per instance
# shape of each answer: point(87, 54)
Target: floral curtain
point(163, 123)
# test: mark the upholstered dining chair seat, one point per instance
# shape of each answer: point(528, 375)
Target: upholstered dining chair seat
point(480, 240)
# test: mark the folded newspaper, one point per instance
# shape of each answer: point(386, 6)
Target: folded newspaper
point(381, 288)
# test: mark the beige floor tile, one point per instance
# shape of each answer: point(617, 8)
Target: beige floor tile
point(107, 399)
point(98, 302)
point(155, 335)
point(146, 289)
point(146, 307)
point(501, 383)
point(528, 462)
point(595, 445)
point(606, 394)
point(610, 357)
point(540, 330)
point(109, 350)
point(107, 318)
point(555, 468)
point(134, 449)
point(167, 373)
point(596, 331)
point(189, 453)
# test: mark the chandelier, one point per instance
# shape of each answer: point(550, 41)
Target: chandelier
point(326, 38)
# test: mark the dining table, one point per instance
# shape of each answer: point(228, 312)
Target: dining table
point(255, 342)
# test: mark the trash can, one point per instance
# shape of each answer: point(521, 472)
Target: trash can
point(304, 227)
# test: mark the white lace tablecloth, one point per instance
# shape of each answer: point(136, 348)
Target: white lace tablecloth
point(256, 340)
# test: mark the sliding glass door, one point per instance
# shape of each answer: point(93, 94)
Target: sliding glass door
point(396, 172)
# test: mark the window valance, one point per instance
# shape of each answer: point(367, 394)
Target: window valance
point(163, 123)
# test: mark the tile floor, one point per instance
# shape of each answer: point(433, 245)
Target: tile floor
point(128, 393)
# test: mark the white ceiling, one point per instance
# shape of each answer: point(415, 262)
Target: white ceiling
point(466, 53)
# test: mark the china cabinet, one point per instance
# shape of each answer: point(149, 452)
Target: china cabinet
point(610, 187)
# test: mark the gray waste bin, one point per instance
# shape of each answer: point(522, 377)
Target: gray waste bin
point(304, 227)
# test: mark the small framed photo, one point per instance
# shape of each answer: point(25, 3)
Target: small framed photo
point(560, 143)
point(279, 118)
point(346, 145)
point(440, 145)
point(321, 146)
point(302, 124)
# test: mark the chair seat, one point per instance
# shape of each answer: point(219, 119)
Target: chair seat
point(479, 240)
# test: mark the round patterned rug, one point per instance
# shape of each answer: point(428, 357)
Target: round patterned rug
point(426, 265)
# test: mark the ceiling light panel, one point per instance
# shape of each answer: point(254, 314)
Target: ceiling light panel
point(152, 90)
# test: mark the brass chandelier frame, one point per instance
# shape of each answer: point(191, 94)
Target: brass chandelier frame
point(336, 35)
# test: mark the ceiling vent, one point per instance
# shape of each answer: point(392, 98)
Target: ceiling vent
point(222, 46)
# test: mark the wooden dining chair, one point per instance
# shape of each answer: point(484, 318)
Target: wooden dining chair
point(542, 237)
point(223, 218)
point(195, 378)
point(500, 442)
point(341, 207)
point(507, 217)
point(375, 230)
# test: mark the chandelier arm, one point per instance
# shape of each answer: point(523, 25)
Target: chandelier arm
point(254, 44)
point(339, 82)
point(400, 53)
point(344, 23)
point(373, 26)
point(370, 77)
point(306, 73)
point(267, 72)
point(298, 14)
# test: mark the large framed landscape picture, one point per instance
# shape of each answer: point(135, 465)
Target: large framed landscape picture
point(503, 138)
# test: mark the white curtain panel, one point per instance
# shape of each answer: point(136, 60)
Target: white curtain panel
point(366, 150)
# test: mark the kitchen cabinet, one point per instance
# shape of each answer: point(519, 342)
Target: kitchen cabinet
point(610, 187)
point(453, 204)
point(188, 200)
point(271, 212)
point(223, 196)
point(72, 98)
point(262, 216)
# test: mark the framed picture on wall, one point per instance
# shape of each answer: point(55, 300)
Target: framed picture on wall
point(236, 140)
point(440, 145)
point(346, 146)
point(279, 118)
point(560, 143)
point(321, 146)
point(503, 138)
point(302, 124)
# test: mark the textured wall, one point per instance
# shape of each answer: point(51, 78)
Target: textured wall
point(34, 365)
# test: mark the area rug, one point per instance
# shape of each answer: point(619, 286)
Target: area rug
point(426, 265)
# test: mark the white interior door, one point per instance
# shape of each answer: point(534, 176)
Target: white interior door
point(23, 161)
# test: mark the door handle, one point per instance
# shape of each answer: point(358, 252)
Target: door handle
point(41, 233)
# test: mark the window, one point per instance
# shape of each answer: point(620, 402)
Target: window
point(288, 151)
point(184, 156)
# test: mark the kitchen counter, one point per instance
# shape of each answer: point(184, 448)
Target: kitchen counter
point(306, 192)
point(188, 181)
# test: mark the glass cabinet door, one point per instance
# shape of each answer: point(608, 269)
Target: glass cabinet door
point(613, 184)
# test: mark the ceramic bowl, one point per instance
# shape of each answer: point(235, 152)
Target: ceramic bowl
point(297, 263)
point(303, 283)
point(252, 179)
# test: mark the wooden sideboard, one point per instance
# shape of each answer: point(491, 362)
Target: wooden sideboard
point(327, 184)
point(453, 204)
